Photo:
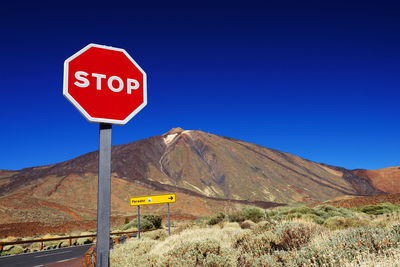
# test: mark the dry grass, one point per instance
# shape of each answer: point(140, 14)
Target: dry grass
point(150, 252)
point(224, 236)
point(390, 259)
point(294, 242)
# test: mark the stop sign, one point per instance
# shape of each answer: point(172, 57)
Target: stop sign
point(105, 84)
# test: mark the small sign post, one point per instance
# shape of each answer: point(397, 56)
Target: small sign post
point(138, 221)
point(151, 200)
point(169, 228)
point(107, 86)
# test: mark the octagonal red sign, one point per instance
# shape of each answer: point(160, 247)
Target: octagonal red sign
point(105, 84)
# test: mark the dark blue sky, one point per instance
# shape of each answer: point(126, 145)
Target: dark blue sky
point(318, 79)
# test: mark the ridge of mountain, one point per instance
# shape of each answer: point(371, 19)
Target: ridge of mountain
point(208, 165)
point(209, 173)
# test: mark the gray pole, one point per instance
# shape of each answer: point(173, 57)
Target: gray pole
point(138, 221)
point(104, 197)
point(169, 226)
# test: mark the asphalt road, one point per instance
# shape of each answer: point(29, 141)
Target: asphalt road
point(44, 257)
point(50, 256)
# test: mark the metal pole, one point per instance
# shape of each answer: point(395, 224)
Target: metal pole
point(169, 226)
point(138, 221)
point(104, 197)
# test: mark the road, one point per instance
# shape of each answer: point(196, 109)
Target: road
point(44, 257)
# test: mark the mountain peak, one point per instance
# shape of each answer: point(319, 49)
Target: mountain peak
point(176, 130)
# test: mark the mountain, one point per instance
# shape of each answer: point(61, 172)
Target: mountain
point(386, 180)
point(208, 172)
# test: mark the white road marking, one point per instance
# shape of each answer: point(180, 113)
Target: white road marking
point(53, 254)
point(67, 259)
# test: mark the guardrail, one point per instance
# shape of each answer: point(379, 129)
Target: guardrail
point(42, 240)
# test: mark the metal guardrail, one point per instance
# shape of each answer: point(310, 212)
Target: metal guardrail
point(42, 240)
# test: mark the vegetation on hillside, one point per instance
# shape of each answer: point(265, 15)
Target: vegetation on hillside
point(147, 222)
point(47, 245)
point(285, 236)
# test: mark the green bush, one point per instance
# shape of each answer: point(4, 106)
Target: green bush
point(145, 224)
point(12, 250)
point(295, 215)
point(216, 219)
point(318, 214)
point(327, 211)
point(254, 214)
point(156, 220)
point(379, 209)
point(302, 210)
point(313, 218)
point(236, 217)
point(83, 240)
point(338, 222)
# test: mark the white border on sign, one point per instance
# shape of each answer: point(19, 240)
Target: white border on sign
point(79, 107)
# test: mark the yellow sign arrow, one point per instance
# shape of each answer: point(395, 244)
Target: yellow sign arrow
point(149, 200)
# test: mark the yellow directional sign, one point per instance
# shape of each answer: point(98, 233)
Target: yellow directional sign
point(149, 200)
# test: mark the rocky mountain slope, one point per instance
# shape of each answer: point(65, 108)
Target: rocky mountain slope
point(386, 179)
point(209, 173)
point(209, 165)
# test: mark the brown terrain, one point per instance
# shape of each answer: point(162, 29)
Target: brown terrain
point(356, 201)
point(209, 173)
point(386, 180)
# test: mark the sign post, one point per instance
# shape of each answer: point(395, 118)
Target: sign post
point(104, 196)
point(138, 221)
point(107, 86)
point(169, 226)
point(150, 200)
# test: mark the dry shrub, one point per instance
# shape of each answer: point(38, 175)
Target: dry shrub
point(292, 235)
point(159, 234)
point(134, 252)
point(256, 245)
point(224, 237)
point(345, 247)
point(9, 239)
point(245, 225)
point(291, 243)
point(206, 252)
point(231, 225)
point(387, 259)
point(285, 236)
point(338, 222)
point(249, 260)
point(181, 227)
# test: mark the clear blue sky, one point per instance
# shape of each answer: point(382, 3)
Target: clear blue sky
point(318, 79)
